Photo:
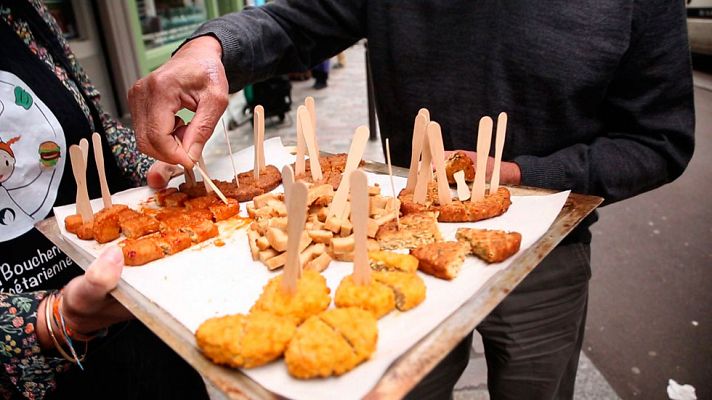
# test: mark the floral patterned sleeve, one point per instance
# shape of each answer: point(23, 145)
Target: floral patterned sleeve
point(25, 370)
point(120, 138)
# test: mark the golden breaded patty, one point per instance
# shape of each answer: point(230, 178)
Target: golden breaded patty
point(381, 260)
point(441, 260)
point(376, 297)
point(415, 230)
point(311, 297)
point(317, 350)
point(408, 288)
point(357, 326)
point(245, 340)
point(332, 343)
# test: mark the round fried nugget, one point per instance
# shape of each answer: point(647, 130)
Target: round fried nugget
point(459, 161)
point(408, 288)
point(382, 260)
point(311, 297)
point(332, 343)
point(245, 340)
point(375, 297)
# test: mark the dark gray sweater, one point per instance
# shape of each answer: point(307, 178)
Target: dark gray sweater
point(598, 92)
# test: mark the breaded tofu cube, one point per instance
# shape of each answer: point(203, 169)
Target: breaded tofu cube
point(86, 231)
point(72, 223)
point(127, 214)
point(172, 242)
point(202, 202)
point(177, 199)
point(311, 297)
point(375, 297)
point(139, 226)
point(441, 260)
point(106, 223)
point(140, 251)
point(161, 195)
point(221, 211)
point(201, 230)
point(245, 341)
point(408, 288)
point(331, 343)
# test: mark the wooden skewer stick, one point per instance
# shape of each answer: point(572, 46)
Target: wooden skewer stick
point(498, 148)
point(463, 191)
point(359, 220)
point(84, 145)
point(416, 149)
point(435, 140)
point(79, 169)
point(308, 132)
point(287, 181)
point(259, 132)
point(424, 174)
point(296, 210)
point(358, 144)
point(99, 159)
point(299, 166)
point(393, 186)
point(484, 139)
point(204, 174)
point(311, 107)
point(426, 114)
point(206, 181)
point(229, 151)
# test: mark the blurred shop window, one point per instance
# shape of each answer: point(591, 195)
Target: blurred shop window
point(63, 12)
point(168, 21)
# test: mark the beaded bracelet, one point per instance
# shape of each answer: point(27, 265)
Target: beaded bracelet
point(82, 337)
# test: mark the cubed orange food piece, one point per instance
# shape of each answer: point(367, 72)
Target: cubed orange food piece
point(202, 202)
point(111, 211)
point(161, 195)
point(86, 231)
point(72, 223)
point(175, 200)
point(141, 251)
point(139, 226)
point(106, 224)
point(165, 213)
point(223, 211)
point(126, 215)
point(200, 214)
point(174, 241)
point(201, 231)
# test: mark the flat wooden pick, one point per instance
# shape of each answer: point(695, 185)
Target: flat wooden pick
point(229, 152)
point(424, 174)
point(359, 220)
point(206, 180)
point(484, 139)
point(296, 211)
point(299, 166)
point(416, 149)
point(308, 132)
point(79, 170)
point(257, 128)
point(99, 159)
point(358, 145)
point(84, 145)
point(435, 140)
point(311, 107)
point(463, 191)
point(261, 134)
point(498, 148)
point(425, 113)
point(287, 181)
point(393, 186)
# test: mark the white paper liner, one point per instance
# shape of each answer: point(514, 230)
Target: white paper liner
point(206, 280)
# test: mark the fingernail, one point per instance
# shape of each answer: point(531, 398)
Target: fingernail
point(113, 255)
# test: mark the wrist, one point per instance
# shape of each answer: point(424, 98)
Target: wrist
point(512, 175)
point(207, 43)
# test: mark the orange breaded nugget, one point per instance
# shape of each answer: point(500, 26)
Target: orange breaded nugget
point(201, 230)
point(382, 260)
point(441, 260)
point(175, 199)
point(331, 343)
point(375, 297)
point(408, 288)
point(201, 202)
point(86, 231)
point(162, 194)
point(73, 222)
point(245, 340)
point(174, 241)
point(311, 297)
point(221, 211)
point(139, 226)
point(140, 251)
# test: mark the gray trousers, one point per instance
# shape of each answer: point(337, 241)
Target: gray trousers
point(532, 339)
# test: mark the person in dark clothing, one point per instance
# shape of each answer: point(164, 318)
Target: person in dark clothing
point(599, 96)
point(320, 72)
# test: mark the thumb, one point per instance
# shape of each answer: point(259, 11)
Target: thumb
point(160, 173)
point(88, 292)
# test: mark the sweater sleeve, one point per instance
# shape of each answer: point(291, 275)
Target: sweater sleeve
point(284, 36)
point(26, 371)
point(649, 114)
